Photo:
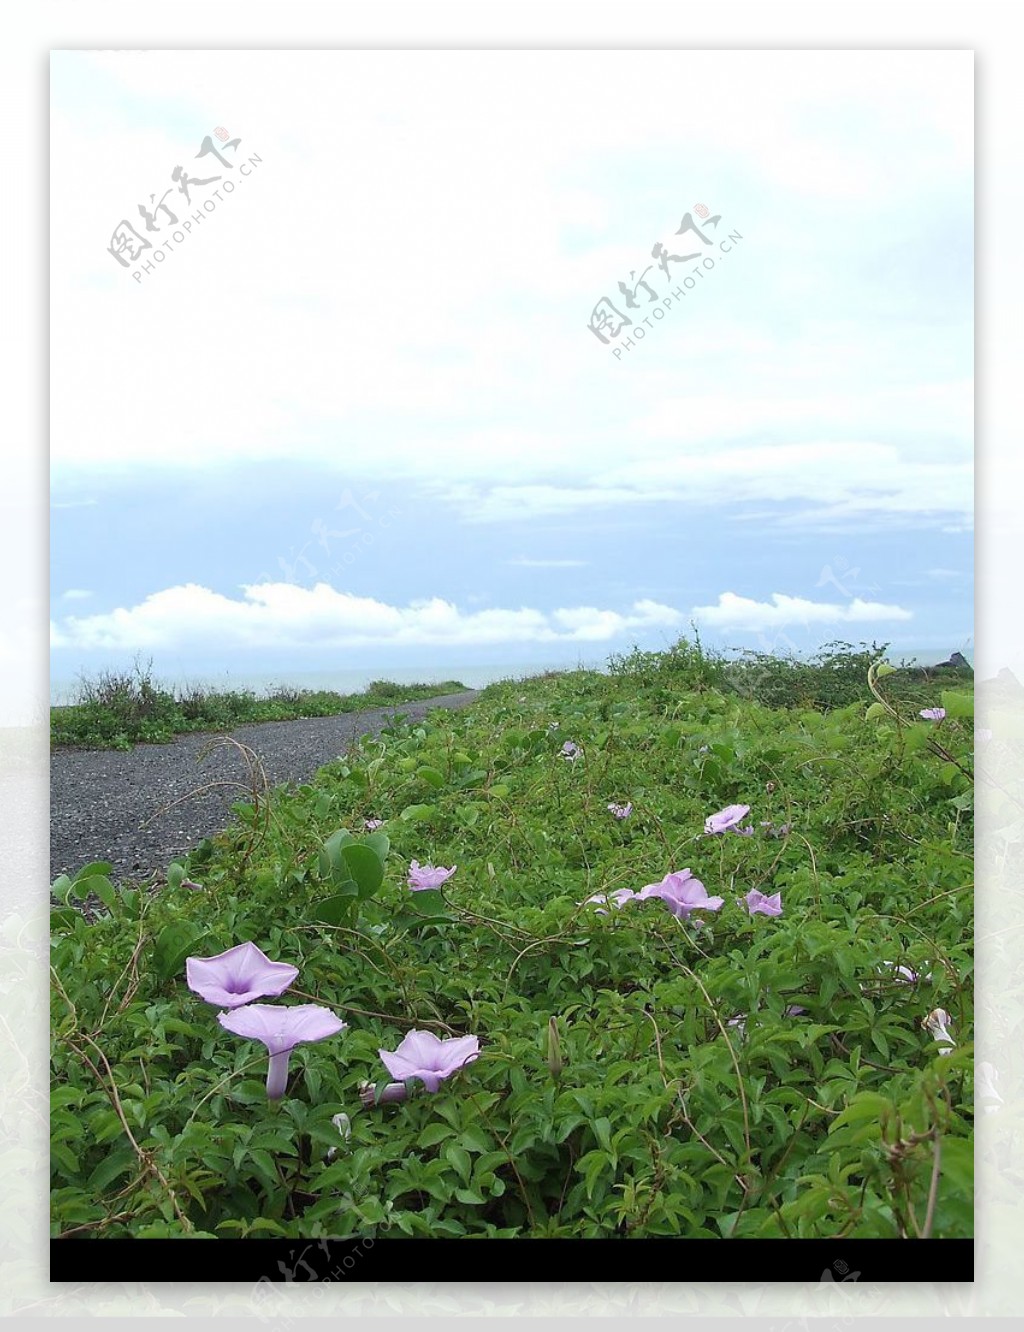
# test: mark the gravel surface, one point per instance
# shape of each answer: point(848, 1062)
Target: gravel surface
point(101, 798)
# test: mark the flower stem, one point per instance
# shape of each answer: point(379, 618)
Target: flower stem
point(277, 1075)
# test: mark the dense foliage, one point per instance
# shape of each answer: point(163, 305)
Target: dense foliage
point(710, 1074)
point(117, 709)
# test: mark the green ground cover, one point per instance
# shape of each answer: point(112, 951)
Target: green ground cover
point(637, 1070)
point(117, 709)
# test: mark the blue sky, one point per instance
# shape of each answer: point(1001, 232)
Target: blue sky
point(356, 417)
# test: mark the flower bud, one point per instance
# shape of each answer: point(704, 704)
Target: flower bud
point(555, 1064)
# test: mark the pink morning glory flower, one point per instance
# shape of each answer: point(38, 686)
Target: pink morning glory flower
point(681, 893)
point(621, 811)
point(617, 899)
point(757, 902)
point(570, 751)
point(238, 976)
point(932, 714)
point(371, 825)
point(281, 1028)
point(427, 876)
point(725, 819)
point(425, 1056)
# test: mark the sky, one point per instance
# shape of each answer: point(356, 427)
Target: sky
point(379, 406)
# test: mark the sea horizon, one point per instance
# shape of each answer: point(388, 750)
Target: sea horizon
point(353, 680)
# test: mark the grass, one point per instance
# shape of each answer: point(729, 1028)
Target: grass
point(118, 709)
point(640, 1074)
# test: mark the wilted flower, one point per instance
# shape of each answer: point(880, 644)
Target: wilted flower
point(394, 1091)
point(281, 1029)
point(936, 1022)
point(619, 898)
point(570, 751)
point(725, 820)
point(903, 975)
point(681, 893)
point(552, 726)
point(238, 976)
point(372, 825)
point(932, 714)
point(757, 901)
point(425, 1056)
point(188, 883)
point(427, 876)
point(621, 811)
point(344, 1126)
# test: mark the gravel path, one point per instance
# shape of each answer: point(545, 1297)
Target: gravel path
point(100, 798)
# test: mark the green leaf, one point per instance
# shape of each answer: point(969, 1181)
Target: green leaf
point(603, 1133)
point(96, 885)
point(459, 1158)
point(62, 1155)
point(876, 710)
point(418, 813)
point(431, 775)
point(379, 843)
point(335, 910)
point(173, 944)
point(957, 1164)
point(957, 703)
point(883, 668)
point(433, 1134)
point(121, 1159)
point(364, 868)
point(102, 867)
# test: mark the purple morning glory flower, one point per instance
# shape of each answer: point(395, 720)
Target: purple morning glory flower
point(570, 751)
point(725, 819)
point(757, 902)
point(932, 714)
point(425, 1056)
point(621, 811)
point(618, 899)
point(394, 1091)
point(281, 1029)
point(681, 893)
point(427, 876)
point(371, 825)
point(238, 976)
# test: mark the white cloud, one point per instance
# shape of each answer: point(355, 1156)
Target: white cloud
point(841, 478)
point(735, 612)
point(282, 614)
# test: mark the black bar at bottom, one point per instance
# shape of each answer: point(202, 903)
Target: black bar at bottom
point(356, 1260)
